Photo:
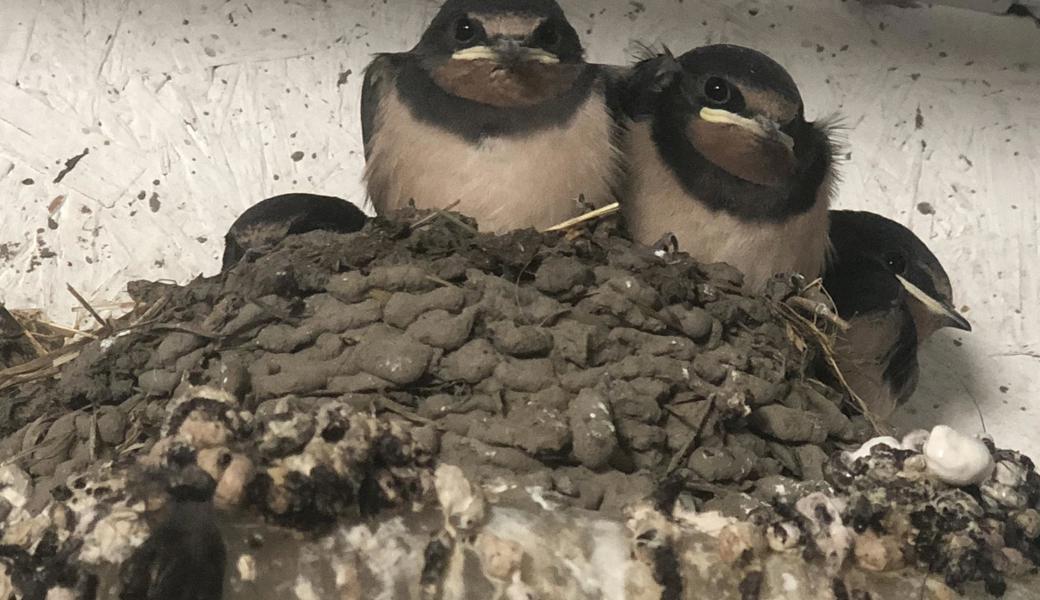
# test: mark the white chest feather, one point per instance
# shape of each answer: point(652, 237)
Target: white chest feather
point(656, 203)
point(505, 183)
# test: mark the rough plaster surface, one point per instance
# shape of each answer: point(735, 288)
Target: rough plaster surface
point(191, 110)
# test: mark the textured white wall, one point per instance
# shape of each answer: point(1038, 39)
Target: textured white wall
point(191, 110)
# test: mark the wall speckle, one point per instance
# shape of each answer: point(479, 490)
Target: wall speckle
point(158, 123)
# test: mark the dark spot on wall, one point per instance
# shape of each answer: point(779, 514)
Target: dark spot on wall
point(343, 77)
point(918, 119)
point(70, 164)
point(153, 202)
point(925, 208)
point(297, 156)
point(28, 181)
point(637, 8)
point(7, 250)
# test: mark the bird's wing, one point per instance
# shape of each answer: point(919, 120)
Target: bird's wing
point(639, 87)
point(902, 369)
point(379, 80)
point(233, 252)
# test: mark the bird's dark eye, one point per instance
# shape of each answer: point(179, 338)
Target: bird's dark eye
point(465, 30)
point(547, 35)
point(717, 91)
point(896, 262)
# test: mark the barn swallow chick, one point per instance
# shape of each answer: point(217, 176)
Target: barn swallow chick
point(270, 221)
point(894, 294)
point(720, 154)
point(495, 108)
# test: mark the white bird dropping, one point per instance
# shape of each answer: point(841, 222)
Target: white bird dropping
point(957, 459)
point(864, 450)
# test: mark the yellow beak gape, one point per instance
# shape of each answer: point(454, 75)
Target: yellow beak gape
point(724, 117)
point(490, 53)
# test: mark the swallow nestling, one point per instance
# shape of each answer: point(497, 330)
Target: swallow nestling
point(720, 154)
point(894, 294)
point(496, 108)
point(269, 221)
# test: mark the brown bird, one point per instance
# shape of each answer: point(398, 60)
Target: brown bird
point(721, 156)
point(496, 109)
point(894, 294)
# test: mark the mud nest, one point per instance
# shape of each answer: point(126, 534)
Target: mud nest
point(590, 366)
point(326, 378)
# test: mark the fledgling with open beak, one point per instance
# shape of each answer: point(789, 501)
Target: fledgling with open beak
point(272, 220)
point(894, 294)
point(720, 155)
point(496, 109)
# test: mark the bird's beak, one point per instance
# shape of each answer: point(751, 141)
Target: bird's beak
point(755, 150)
point(947, 315)
point(759, 126)
point(507, 51)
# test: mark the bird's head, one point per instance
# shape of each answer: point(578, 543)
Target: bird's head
point(744, 113)
point(502, 52)
point(905, 257)
point(731, 122)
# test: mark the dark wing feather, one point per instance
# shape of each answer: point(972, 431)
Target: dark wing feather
point(379, 78)
point(646, 81)
point(901, 372)
point(233, 252)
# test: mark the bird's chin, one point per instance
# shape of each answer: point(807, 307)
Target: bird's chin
point(505, 84)
point(744, 151)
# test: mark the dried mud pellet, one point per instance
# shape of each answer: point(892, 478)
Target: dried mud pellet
point(595, 436)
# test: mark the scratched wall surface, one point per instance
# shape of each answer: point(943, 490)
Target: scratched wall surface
point(132, 133)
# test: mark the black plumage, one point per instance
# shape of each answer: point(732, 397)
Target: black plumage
point(272, 220)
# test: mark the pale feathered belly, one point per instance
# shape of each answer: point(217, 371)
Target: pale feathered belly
point(504, 183)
